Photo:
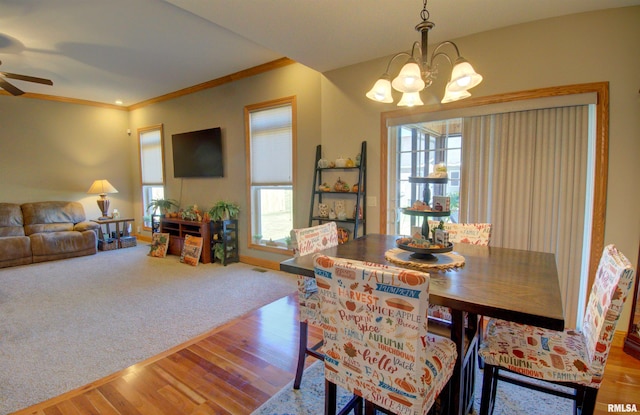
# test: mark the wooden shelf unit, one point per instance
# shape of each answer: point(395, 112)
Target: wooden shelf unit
point(178, 229)
point(225, 233)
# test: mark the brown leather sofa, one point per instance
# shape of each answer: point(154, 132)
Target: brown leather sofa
point(44, 231)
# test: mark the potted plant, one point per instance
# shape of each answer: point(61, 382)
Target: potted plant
point(162, 205)
point(218, 252)
point(224, 210)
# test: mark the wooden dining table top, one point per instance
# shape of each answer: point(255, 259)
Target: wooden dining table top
point(510, 284)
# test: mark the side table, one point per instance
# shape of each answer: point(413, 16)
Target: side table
point(121, 238)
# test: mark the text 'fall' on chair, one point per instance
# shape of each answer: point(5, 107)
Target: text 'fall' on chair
point(307, 241)
point(569, 358)
point(375, 337)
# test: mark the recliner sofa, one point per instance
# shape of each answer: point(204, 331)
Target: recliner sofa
point(44, 231)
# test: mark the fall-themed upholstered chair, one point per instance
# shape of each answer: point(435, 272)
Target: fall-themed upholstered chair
point(570, 358)
point(375, 337)
point(460, 233)
point(307, 241)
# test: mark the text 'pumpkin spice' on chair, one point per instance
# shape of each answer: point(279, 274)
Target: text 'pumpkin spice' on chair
point(376, 341)
point(569, 358)
point(307, 241)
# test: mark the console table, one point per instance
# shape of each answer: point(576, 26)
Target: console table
point(122, 238)
point(178, 229)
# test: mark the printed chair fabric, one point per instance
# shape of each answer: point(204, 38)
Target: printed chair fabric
point(466, 233)
point(566, 356)
point(460, 233)
point(375, 334)
point(307, 241)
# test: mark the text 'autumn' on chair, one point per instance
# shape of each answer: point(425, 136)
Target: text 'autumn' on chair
point(569, 358)
point(307, 241)
point(375, 337)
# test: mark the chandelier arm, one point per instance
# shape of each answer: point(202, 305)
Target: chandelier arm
point(397, 55)
point(436, 52)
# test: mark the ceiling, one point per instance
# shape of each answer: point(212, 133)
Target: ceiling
point(135, 50)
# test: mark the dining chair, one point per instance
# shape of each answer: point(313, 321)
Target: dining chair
point(569, 358)
point(376, 342)
point(307, 241)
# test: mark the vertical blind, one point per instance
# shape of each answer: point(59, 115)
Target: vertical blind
point(525, 173)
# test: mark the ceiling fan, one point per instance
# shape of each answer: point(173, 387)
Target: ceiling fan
point(17, 91)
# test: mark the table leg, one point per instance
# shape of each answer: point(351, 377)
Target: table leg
point(457, 379)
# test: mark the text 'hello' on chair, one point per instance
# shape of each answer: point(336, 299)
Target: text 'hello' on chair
point(569, 358)
point(307, 241)
point(375, 336)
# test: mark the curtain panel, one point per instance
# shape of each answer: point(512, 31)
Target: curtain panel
point(526, 173)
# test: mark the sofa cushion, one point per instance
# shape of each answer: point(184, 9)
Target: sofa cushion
point(16, 250)
point(11, 223)
point(51, 216)
point(57, 245)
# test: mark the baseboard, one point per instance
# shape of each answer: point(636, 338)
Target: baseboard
point(618, 338)
point(264, 263)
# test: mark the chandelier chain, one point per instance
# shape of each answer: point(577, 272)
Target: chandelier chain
point(424, 14)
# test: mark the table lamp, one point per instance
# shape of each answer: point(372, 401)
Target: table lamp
point(102, 187)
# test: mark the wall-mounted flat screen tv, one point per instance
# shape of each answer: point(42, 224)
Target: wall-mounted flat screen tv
point(198, 153)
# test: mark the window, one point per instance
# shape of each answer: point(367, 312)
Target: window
point(151, 168)
point(271, 132)
point(418, 148)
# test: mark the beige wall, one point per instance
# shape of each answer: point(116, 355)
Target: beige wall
point(591, 47)
point(54, 151)
point(224, 107)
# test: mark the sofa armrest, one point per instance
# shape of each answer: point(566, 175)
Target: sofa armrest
point(86, 226)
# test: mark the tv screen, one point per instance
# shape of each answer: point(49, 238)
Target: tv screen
point(198, 153)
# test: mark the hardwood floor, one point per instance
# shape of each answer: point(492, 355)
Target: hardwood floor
point(238, 366)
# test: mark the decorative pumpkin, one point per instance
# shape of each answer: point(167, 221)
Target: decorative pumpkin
point(341, 186)
point(341, 162)
point(323, 163)
point(411, 278)
point(350, 163)
point(324, 187)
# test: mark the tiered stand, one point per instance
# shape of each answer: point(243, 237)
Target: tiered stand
point(426, 253)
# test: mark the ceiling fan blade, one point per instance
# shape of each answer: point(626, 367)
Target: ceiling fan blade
point(10, 88)
point(27, 78)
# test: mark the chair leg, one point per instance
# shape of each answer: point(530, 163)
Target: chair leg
point(489, 388)
point(330, 398)
point(480, 337)
point(589, 401)
point(302, 353)
point(369, 408)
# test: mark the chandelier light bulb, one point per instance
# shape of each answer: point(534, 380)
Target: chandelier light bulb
point(410, 99)
point(463, 76)
point(381, 90)
point(409, 79)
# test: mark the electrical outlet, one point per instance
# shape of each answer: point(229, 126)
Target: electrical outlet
point(139, 229)
point(372, 201)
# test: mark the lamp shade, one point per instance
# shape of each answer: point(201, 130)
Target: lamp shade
point(102, 187)
point(410, 99)
point(409, 79)
point(463, 76)
point(381, 90)
point(450, 96)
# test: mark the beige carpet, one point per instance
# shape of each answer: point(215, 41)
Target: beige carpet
point(67, 323)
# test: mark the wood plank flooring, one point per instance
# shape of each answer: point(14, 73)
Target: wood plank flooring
point(238, 366)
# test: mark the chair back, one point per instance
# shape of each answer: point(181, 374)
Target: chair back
point(375, 332)
point(613, 281)
point(466, 233)
point(314, 239)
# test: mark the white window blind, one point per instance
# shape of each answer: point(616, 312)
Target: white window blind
point(151, 157)
point(271, 146)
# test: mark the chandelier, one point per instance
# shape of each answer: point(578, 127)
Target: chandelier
point(419, 71)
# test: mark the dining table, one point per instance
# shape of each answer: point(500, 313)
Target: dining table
point(510, 284)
